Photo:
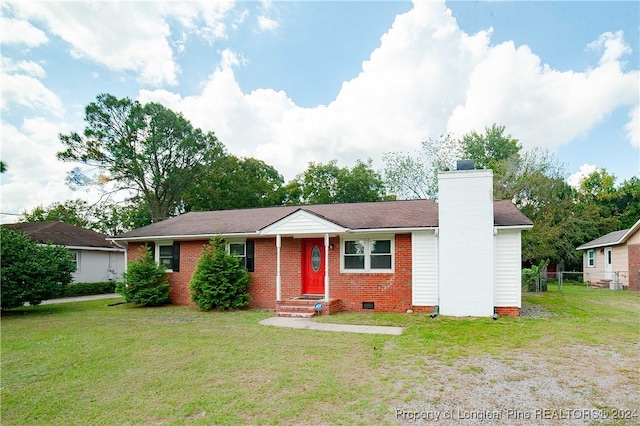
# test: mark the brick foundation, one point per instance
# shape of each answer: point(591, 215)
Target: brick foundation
point(634, 266)
point(508, 311)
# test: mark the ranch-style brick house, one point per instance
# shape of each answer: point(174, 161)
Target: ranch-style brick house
point(460, 255)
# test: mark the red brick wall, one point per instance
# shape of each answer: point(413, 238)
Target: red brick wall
point(389, 292)
point(634, 266)
point(190, 252)
point(508, 311)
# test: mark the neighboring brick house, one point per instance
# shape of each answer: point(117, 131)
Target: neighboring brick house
point(96, 258)
point(460, 255)
point(613, 259)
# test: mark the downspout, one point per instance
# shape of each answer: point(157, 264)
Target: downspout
point(436, 309)
point(126, 253)
point(495, 308)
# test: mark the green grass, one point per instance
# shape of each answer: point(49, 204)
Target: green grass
point(87, 363)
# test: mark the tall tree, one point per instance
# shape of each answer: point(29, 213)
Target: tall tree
point(73, 212)
point(410, 176)
point(328, 183)
point(145, 148)
point(492, 150)
point(236, 183)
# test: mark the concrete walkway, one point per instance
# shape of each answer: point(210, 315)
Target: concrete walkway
point(310, 324)
point(81, 298)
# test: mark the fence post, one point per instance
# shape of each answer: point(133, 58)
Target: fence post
point(560, 281)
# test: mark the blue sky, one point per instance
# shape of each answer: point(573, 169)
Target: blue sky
point(292, 82)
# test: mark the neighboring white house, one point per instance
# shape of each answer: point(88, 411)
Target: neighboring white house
point(96, 258)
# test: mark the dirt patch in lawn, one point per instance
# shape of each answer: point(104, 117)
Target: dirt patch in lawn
point(577, 386)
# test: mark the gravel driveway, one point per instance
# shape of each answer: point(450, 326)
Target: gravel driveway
point(573, 385)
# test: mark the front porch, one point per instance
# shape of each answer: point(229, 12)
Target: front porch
point(305, 306)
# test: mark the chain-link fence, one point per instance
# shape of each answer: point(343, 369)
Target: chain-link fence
point(536, 281)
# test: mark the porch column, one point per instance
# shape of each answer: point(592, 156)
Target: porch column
point(278, 281)
point(326, 267)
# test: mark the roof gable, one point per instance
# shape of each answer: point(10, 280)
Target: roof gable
point(302, 222)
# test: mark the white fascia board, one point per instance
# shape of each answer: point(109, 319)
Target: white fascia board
point(88, 248)
point(513, 227)
point(390, 230)
point(184, 237)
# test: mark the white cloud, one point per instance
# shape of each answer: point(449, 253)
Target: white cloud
point(129, 36)
point(612, 45)
point(29, 68)
point(426, 78)
point(267, 24)
point(633, 127)
point(28, 91)
point(585, 170)
point(20, 32)
point(542, 106)
point(34, 176)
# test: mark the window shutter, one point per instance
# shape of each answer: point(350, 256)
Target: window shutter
point(151, 248)
point(250, 247)
point(175, 262)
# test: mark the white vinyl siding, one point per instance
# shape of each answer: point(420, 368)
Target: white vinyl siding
point(424, 288)
point(508, 268)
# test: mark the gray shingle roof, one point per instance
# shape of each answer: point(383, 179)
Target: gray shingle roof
point(63, 234)
point(356, 216)
point(610, 239)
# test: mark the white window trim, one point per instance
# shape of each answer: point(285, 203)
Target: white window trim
point(227, 246)
point(76, 261)
point(367, 254)
point(594, 258)
point(156, 255)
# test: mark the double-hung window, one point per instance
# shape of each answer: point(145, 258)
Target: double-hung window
point(166, 253)
point(75, 259)
point(243, 250)
point(591, 258)
point(368, 255)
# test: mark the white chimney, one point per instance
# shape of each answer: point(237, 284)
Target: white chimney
point(466, 242)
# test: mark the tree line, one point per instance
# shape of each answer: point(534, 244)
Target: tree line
point(167, 167)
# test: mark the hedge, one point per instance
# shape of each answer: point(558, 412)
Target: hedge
point(88, 289)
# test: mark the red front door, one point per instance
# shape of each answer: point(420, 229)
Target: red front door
point(313, 266)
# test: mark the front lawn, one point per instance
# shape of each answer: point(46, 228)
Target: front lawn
point(88, 363)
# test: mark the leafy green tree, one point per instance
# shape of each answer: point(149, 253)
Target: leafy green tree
point(219, 282)
point(148, 149)
point(73, 212)
point(236, 183)
point(3, 167)
point(30, 272)
point(114, 219)
point(491, 150)
point(411, 176)
point(145, 283)
point(628, 202)
point(328, 183)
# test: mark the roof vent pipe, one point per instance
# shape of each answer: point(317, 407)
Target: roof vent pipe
point(465, 165)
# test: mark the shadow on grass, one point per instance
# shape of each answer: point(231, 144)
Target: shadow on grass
point(56, 308)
